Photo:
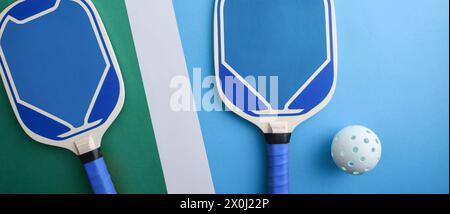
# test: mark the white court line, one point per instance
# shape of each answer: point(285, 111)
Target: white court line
point(178, 134)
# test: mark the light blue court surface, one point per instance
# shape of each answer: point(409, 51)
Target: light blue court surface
point(393, 78)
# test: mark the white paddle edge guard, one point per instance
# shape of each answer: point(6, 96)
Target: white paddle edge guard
point(90, 140)
point(288, 123)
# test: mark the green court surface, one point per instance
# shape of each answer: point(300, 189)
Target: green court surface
point(129, 145)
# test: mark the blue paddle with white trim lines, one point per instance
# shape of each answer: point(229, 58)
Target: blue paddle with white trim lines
point(62, 78)
point(276, 66)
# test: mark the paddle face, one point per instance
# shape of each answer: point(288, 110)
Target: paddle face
point(59, 70)
point(275, 59)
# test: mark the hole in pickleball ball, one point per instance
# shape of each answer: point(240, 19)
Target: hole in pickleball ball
point(350, 164)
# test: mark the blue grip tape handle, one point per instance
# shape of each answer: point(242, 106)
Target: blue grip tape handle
point(277, 162)
point(278, 176)
point(99, 177)
point(278, 172)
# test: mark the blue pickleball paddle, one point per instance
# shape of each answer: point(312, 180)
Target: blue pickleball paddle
point(291, 46)
point(62, 78)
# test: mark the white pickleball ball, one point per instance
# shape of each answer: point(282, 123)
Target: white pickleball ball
point(356, 150)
